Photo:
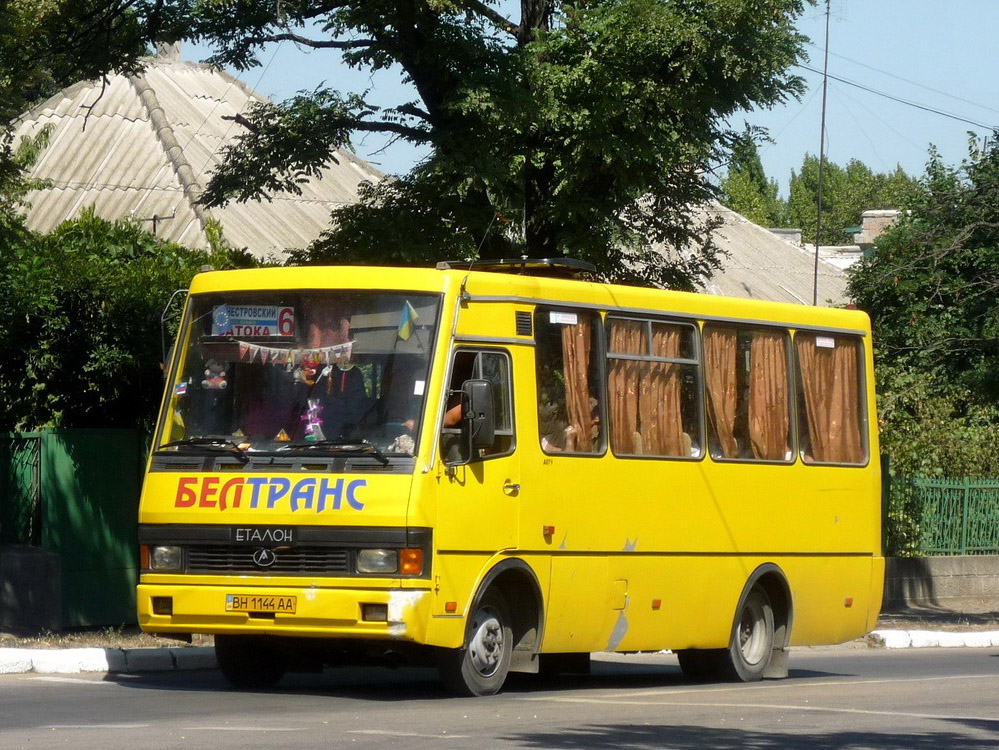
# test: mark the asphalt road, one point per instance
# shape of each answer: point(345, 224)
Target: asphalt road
point(925, 699)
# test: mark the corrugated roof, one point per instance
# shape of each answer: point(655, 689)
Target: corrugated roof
point(761, 265)
point(145, 146)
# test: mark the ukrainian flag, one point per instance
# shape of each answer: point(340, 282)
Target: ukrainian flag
point(407, 323)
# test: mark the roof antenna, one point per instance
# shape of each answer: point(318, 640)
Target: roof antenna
point(486, 233)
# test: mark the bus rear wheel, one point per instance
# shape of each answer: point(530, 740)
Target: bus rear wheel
point(248, 661)
point(752, 641)
point(482, 665)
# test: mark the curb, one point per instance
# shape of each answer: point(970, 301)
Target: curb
point(934, 639)
point(107, 660)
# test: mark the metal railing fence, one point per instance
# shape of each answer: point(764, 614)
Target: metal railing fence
point(942, 516)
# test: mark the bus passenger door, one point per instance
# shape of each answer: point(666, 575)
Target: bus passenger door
point(478, 502)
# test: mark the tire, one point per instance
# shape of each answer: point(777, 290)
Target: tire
point(481, 666)
point(752, 640)
point(248, 661)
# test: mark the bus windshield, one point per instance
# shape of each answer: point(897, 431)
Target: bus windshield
point(317, 371)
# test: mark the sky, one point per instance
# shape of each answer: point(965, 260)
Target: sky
point(934, 54)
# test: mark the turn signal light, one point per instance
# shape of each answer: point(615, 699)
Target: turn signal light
point(411, 561)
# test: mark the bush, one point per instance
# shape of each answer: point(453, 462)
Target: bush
point(80, 342)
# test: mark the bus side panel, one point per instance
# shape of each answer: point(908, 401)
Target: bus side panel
point(458, 579)
point(832, 597)
point(641, 603)
point(455, 579)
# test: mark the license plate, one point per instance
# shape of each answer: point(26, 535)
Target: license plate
point(241, 603)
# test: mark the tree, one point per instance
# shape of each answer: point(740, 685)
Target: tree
point(846, 193)
point(577, 128)
point(931, 289)
point(45, 45)
point(80, 324)
point(746, 188)
point(48, 44)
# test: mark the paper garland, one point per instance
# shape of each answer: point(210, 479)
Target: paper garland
point(326, 355)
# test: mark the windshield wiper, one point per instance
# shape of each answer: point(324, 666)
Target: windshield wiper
point(217, 443)
point(339, 444)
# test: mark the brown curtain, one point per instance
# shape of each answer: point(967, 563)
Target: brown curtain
point(624, 382)
point(848, 444)
point(831, 389)
point(769, 417)
point(662, 413)
point(576, 348)
point(720, 349)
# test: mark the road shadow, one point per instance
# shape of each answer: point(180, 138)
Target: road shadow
point(416, 683)
point(667, 737)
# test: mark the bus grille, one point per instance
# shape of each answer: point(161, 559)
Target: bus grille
point(291, 561)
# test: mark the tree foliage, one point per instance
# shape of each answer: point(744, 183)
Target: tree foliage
point(746, 188)
point(846, 193)
point(576, 128)
point(48, 44)
point(80, 324)
point(931, 289)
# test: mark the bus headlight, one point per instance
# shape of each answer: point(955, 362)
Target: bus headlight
point(377, 561)
point(166, 559)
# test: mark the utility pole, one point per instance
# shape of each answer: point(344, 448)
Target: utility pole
point(822, 162)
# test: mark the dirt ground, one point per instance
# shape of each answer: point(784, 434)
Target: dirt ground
point(128, 636)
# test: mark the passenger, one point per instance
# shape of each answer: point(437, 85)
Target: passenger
point(341, 392)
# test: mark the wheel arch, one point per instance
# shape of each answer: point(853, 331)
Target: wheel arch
point(772, 580)
point(518, 584)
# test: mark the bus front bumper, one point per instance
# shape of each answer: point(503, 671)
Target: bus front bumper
point(374, 614)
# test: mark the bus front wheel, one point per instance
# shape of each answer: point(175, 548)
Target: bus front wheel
point(250, 661)
point(752, 641)
point(482, 665)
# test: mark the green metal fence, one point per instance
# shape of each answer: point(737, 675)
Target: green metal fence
point(75, 493)
point(943, 516)
point(21, 489)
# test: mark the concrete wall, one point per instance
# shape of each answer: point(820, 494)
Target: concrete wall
point(967, 583)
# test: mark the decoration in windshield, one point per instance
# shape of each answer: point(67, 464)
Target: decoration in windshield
point(303, 373)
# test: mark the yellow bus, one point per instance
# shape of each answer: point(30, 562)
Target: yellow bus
point(500, 467)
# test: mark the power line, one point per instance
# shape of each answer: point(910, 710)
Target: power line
point(911, 82)
point(906, 102)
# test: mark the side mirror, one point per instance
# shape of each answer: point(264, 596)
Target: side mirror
point(479, 420)
point(478, 425)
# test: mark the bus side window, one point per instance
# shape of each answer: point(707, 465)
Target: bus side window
point(492, 365)
point(746, 372)
point(653, 386)
point(831, 422)
point(568, 381)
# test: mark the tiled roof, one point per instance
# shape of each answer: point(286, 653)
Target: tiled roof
point(145, 145)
